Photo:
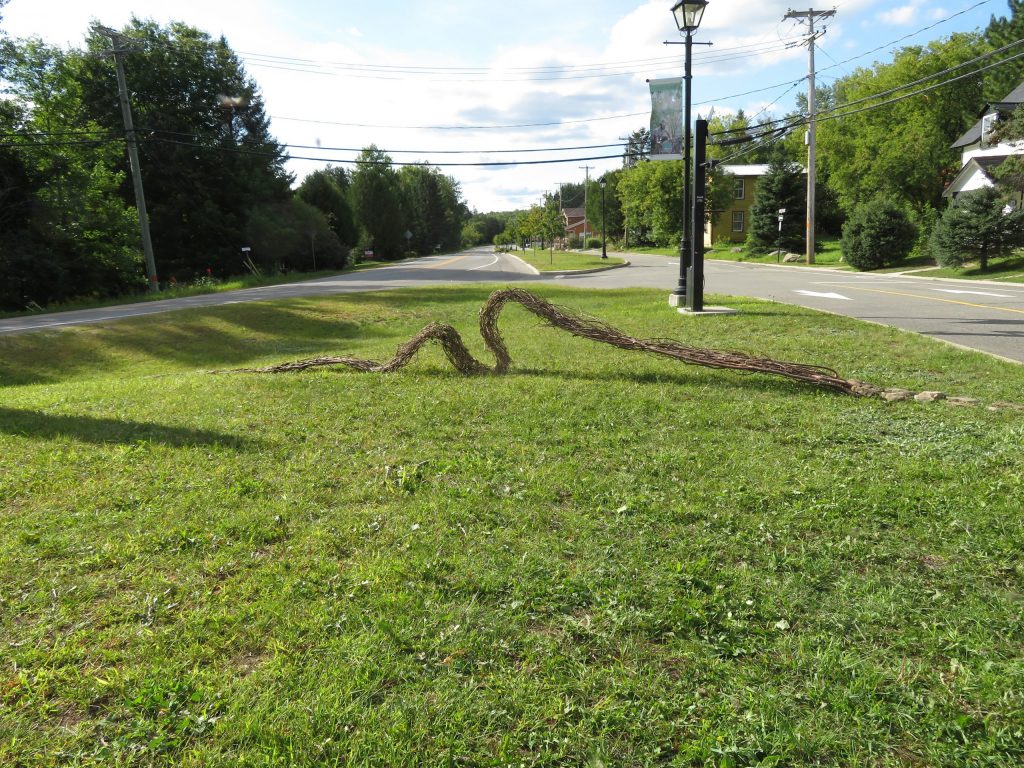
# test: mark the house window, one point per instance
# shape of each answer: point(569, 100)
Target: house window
point(988, 123)
point(739, 189)
point(737, 221)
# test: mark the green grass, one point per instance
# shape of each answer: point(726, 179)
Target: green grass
point(213, 286)
point(1010, 270)
point(829, 255)
point(600, 558)
point(553, 261)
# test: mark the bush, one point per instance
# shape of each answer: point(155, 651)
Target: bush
point(594, 242)
point(976, 226)
point(877, 234)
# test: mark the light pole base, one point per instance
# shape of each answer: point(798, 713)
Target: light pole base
point(708, 311)
point(677, 300)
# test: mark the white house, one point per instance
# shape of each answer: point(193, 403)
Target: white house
point(980, 153)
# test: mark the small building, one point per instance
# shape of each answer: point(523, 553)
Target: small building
point(575, 222)
point(980, 153)
point(732, 223)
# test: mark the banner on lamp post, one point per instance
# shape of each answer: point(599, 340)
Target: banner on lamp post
point(667, 118)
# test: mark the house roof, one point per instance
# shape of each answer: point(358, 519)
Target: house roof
point(753, 169)
point(984, 164)
point(1013, 100)
point(574, 213)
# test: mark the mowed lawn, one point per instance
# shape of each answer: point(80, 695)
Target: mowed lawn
point(598, 559)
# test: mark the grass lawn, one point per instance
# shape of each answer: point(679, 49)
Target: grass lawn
point(230, 284)
point(553, 261)
point(600, 558)
point(1010, 270)
point(829, 256)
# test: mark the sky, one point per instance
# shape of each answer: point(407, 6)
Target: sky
point(454, 81)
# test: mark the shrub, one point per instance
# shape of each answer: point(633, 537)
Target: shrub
point(594, 242)
point(877, 234)
point(976, 226)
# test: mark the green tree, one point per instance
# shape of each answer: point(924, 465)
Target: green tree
point(651, 195)
point(326, 189)
point(877, 234)
point(208, 158)
point(999, 32)
point(1009, 174)
point(293, 235)
point(638, 148)
point(977, 226)
point(783, 186)
point(903, 149)
point(377, 200)
point(434, 209)
point(611, 218)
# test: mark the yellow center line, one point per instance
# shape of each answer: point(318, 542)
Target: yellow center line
point(443, 263)
point(936, 298)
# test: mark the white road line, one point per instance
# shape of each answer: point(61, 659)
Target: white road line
point(976, 293)
point(483, 266)
point(825, 295)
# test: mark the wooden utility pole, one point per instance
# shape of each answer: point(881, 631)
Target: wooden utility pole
point(810, 15)
point(118, 51)
point(586, 184)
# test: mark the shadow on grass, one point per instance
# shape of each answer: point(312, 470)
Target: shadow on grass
point(90, 429)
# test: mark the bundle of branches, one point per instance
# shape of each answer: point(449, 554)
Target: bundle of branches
point(583, 327)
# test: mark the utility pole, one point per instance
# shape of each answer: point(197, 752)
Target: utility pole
point(586, 184)
point(118, 51)
point(810, 15)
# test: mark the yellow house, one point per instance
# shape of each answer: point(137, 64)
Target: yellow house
point(732, 223)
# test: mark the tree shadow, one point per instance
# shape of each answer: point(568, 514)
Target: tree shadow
point(33, 424)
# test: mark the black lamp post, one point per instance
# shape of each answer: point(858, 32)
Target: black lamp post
point(688, 14)
point(604, 246)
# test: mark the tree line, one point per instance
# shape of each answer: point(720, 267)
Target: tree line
point(214, 175)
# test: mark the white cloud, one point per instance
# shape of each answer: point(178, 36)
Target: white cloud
point(902, 15)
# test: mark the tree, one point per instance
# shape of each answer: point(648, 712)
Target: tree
point(434, 209)
point(999, 32)
point(612, 209)
point(638, 148)
point(326, 190)
point(294, 235)
point(651, 195)
point(377, 199)
point(977, 226)
point(207, 158)
point(877, 234)
point(784, 186)
point(901, 149)
point(1009, 174)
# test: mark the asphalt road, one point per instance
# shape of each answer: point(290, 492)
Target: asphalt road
point(982, 315)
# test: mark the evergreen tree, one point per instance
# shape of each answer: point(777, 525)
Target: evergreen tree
point(377, 200)
point(977, 226)
point(1002, 31)
point(638, 148)
point(207, 155)
point(784, 186)
point(326, 190)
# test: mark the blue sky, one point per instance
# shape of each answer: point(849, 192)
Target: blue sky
point(426, 80)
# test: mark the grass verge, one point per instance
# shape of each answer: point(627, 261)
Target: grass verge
point(554, 261)
point(599, 558)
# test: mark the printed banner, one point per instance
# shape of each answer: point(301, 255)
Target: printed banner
point(667, 118)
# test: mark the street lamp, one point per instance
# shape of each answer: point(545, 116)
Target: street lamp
point(604, 246)
point(688, 16)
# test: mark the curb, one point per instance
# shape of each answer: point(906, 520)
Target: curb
point(566, 272)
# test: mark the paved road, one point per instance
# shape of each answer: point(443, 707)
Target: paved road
point(987, 316)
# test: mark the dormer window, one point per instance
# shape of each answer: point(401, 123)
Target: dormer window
point(988, 124)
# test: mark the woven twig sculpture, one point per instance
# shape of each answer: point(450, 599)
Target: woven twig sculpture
point(577, 325)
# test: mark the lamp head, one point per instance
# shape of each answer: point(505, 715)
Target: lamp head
point(688, 14)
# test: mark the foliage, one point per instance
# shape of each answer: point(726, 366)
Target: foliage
point(638, 148)
point(327, 190)
point(434, 209)
point(877, 234)
point(610, 215)
point(482, 228)
point(293, 235)
point(999, 32)
point(783, 186)
point(1009, 174)
point(901, 150)
point(377, 199)
point(208, 159)
point(651, 195)
point(976, 226)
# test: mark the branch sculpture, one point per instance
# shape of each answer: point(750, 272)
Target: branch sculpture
point(580, 326)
